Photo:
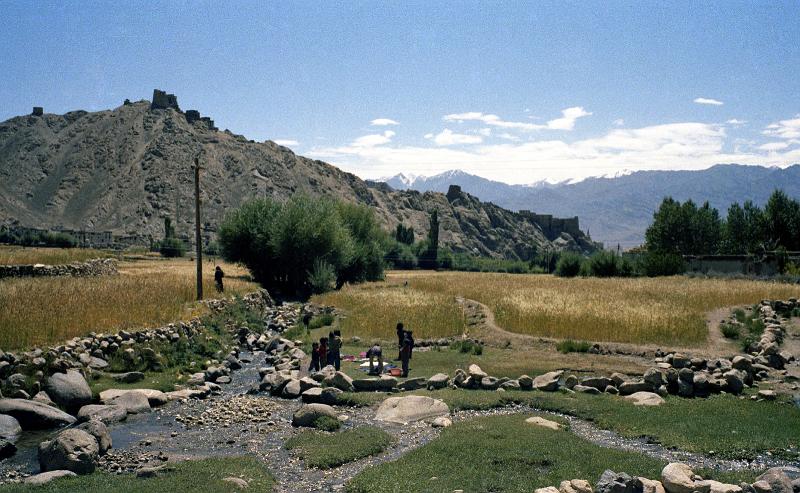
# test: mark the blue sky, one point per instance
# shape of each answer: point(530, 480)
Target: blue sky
point(514, 91)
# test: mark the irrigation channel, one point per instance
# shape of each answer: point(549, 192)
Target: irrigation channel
point(234, 423)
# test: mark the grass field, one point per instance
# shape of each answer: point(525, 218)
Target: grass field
point(667, 310)
point(327, 450)
point(500, 454)
point(147, 293)
point(187, 477)
point(17, 255)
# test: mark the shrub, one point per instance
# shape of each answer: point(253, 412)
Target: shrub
point(322, 277)
point(570, 346)
point(467, 347)
point(730, 331)
point(603, 264)
point(171, 247)
point(327, 423)
point(400, 256)
point(654, 264)
point(283, 243)
point(569, 264)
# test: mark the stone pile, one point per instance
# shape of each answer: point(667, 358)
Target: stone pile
point(679, 478)
point(90, 268)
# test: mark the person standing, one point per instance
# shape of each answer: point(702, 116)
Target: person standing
point(314, 357)
point(400, 336)
point(218, 275)
point(323, 350)
point(405, 353)
point(335, 349)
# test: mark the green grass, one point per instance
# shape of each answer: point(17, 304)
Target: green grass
point(499, 454)
point(327, 423)
point(328, 450)
point(723, 425)
point(570, 346)
point(188, 477)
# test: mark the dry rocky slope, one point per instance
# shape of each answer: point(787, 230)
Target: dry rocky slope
point(123, 170)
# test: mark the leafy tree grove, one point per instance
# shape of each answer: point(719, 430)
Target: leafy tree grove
point(304, 245)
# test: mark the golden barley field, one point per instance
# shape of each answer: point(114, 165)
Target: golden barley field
point(146, 293)
point(18, 255)
point(667, 310)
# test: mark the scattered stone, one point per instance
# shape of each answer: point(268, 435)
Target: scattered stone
point(678, 478)
point(612, 482)
point(46, 477)
point(545, 423)
point(645, 399)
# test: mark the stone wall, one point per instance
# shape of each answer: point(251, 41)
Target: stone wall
point(96, 267)
point(552, 227)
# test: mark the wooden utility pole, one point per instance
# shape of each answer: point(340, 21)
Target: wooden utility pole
point(197, 240)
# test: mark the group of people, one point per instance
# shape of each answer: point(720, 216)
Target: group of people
point(405, 341)
point(328, 351)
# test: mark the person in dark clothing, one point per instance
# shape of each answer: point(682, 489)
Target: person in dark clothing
point(335, 349)
point(331, 344)
point(218, 275)
point(410, 337)
point(323, 351)
point(401, 333)
point(373, 353)
point(405, 354)
point(314, 357)
point(307, 320)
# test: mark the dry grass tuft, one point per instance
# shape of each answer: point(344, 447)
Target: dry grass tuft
point(643, 310)
point(38, 311)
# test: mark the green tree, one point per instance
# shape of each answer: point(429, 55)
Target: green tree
point(404, 234)
point(782, 220)
point(428, 260)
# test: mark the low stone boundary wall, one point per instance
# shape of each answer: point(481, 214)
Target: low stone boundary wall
point(90, 268)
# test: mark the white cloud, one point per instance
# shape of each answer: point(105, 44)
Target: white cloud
point(508, 136)
point(373, 140)
point(286, 142)
point(447, 138)
point(784, 129)
point(382, 122)
point(486, 132)
point(714, 102)
point(736, 121)
point(619, 122)
point(773, 146)
point(566, 122)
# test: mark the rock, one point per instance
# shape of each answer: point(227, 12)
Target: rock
point(733, 382)
point(43, 398)
point(628, 388)
point(525, 382)
point(69, 390)
point(489, 383)
point(46, 477)
point(9, 428)
point(575, 486)
point(154, 397)
point(762, 487)
point(151, 471)
point(133, 402)
point(476, 373)
point(237, 482)
point(442, 422)
point(412, 408)
point(99, 431)
point(600, 383)
point(618, 379)
point(612, 482)
point(777, 479)
point(291, 390)
point(413, 384)
point(308, 413)
point(654, 378)
point(545, 423)
point(327, 395)
point(510, 385)
point(651, 486)
point(677, 478)
point(717, 487)
point(106, 413)
point(33, 415)
point(308, 383)
point(438, 381)
point(73, 450)
point(767, 395)
point(548, 382)
point(645, 399)
point(570, 382)
point(588, 390)
point(342, 381)
point(382, 384)
point(224, 380)
point(549, 489)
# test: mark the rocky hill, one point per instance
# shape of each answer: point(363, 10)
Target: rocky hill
point(124, 170)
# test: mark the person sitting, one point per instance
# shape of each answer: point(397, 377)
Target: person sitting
point(374, 353)
point(314, 357)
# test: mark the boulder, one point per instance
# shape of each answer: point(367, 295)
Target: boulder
point(525, 382)
point(99, 431)
point(291, 390)
point(42, 397)
point(46, 477)
point(717, 487)
point(678, 478)
point(651, 486)
point(382, 384)
point(154, 397)
point(548, 489)
point(575, 486)
point(106, 413)
point(645, 399)
point(442, 422)
point(309, 413)
point(654, 377)
point(73, 450)
point(733, 382)
point(341, 381)
point(489, 383)
point(133, 402)
point(327, 395)
point(411, 408)
point(33, 415)
point(548, 382)
point(308, 383)
point(588, 390)
point(628, 388)
point(9, 428)
point(600, 383)
point(612, 482)
point(544, 423)
point(413, 384)
point(571, 381)
point(438, 381)
point(777, 479)
point(476, 373)
point(69, 390)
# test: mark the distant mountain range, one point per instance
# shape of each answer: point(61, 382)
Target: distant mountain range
point(618, 210)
